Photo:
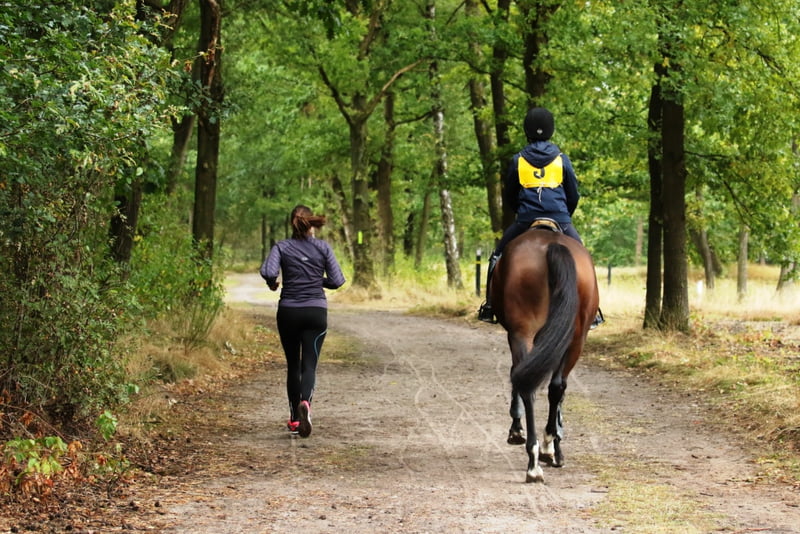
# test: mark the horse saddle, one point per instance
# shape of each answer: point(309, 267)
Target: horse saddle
point(543, 223)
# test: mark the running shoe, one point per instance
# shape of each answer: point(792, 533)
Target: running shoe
point(304, 428)
point(292, 426)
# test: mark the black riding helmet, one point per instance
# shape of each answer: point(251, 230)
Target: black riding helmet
point(539, 125)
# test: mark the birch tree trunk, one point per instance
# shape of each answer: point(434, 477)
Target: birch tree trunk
point(741, 263)
point(440, 168)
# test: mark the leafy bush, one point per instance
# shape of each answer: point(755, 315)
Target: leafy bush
point(169, 280)
point(80, 87)
point(30, 465)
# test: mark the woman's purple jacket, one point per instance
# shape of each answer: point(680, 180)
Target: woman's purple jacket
point(306, 267)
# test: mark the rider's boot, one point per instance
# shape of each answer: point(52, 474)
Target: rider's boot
point(597, 320)
point(485, 313)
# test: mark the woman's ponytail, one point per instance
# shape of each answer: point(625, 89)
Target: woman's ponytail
point(303, 220)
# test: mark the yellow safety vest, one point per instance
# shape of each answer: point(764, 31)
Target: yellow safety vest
point(551, 175)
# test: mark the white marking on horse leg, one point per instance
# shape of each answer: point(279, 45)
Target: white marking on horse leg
point(549, 448)
point(535, 473)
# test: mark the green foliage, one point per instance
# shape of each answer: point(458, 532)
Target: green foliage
point(84, 98)
point(81, 89)
point(29, 465)
point(39, 455)
point(106, 423)
point(168, 279)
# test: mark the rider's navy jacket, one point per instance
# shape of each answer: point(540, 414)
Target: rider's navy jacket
point(557, 203)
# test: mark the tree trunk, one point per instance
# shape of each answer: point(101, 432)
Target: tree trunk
point(483, 135)
point(675, 306)
point(181, 138)
point(652, 308)
point(408, 235)
point(422, 231)
point(451, 252)
point(364, 270)
point(347, 224)
point(125, 221)
point(789, 268)
point(501, 124)
point(700, 240)
point(356, 107)
point(208, 126)
point(535, 38)
point(741, 263)
point(786, 276)
point(383, 187)
point(182, 129)
point(265, 245)
point(440, 171)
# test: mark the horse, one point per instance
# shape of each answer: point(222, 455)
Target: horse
point(544, 294)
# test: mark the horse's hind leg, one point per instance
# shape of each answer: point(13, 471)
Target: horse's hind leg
point(520, 344)
point(554, 431)
point(516, 411)
point(534, 473)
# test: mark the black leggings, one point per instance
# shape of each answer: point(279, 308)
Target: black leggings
point(302, 331)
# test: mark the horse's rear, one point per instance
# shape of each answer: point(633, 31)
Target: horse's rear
point(544, 293)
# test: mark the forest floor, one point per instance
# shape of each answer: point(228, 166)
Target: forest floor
point(410, 418)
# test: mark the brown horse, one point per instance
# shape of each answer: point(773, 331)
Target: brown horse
point(544, 293)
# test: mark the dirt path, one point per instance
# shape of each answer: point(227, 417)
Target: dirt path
point(409, 436)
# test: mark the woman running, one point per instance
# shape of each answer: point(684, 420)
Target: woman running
point(307, 265)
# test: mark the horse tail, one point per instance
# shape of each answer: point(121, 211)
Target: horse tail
point(551, 342)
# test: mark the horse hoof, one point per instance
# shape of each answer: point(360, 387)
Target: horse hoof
point(534, 477)
point(515, 438)
point(551, 461)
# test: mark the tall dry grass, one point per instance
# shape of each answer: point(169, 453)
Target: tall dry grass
point(624, 294)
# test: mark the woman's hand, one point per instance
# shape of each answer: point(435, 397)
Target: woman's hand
point(274, 286)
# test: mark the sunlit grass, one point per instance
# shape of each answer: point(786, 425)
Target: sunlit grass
point(650, 507)
point(422, 289)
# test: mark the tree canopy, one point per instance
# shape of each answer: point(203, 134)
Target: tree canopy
point(680, 117)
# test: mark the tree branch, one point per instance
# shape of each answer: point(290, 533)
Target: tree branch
point(380, 94)
point(337, 97)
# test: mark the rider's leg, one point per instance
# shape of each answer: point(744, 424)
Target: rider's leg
point(570, 230)
point(485, 313)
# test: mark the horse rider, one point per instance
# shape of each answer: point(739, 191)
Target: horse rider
point(540, 183)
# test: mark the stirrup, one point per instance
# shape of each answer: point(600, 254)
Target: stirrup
point(486, 314)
